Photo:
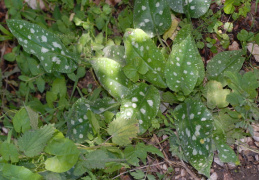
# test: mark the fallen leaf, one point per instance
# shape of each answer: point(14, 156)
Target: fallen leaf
point(234, 46)
point(254, 50)
point(35, 4)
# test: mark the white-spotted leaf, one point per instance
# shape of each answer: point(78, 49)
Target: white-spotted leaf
point(53, 55)
point(184, 68)
point(151, 62)
point(152, 16)
point(116, 53)
point(222, 62)
point(109, 73)
point(195, 8)
point(142, 101)
point(194, 128)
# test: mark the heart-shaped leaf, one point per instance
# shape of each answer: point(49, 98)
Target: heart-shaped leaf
point(53, 55)
point(142, 101)
point(109, 73)
point(153, 16)
point(139, 47)
point(194, 128)
point(195, 8)
point(216, 95)
point(222, 62)
point(184, 68)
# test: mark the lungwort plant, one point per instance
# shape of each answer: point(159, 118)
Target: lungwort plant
point(99, 131)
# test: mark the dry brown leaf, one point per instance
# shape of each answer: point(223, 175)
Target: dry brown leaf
point(254, 50)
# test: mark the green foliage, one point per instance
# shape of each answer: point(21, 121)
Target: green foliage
point(184, 69)
point(69, 127)
point(195, 8)
point(152, 16)
point(194, 128)
point(53, 56)
point(123, 129)
point(140, 63)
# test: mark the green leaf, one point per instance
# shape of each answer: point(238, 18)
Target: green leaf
point(53, 55)
point(110, 74)
point(194, 128)
point(40, 82)
point(184, 68)
point(19, 173)
point(138, 174)
point(123, 130)
point(96, 159)
point(116, 53)
point(21, 121)
point(142, 101)
point(245, 85)
point(222, 62)
point(9, 152)
point(33, 142)
point(65, 151)
point(152, 16)
point(134, 154)
point(143, 55)
point(33, 117)
point(226, 154)
point(195, 8)
point(243, 35)
point(229, 7)
point(216, 95)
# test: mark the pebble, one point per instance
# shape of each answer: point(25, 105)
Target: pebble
point(217, 161)
point(183, 172)
point(231, 165)
point(214, 176)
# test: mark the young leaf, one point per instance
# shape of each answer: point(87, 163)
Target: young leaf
point(19, 172)
point(53, 55)
point(134, 154)
point(216, 95)
point(144, 57)
point(123, 130)
point(245, 85)
point(65, 151)
point(33, 117)
point(9, 152)
point(21, 121)
point(96, 159)
point(195, 8)
point(153, 16)
point(142, 101)
point(184, 68)
point(110, 74)
point(33, 142)
point(222, 62)
point(194, 128)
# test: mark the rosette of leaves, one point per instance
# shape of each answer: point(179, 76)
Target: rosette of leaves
point(141, 101)
point(195, 8)
point(194, 129)
point(53, 55)
point(153, 16)
point(184, 68)
point(143, 59)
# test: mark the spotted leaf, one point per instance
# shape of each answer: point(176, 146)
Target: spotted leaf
point(53, 55)
point(153, 16)
point(109, 73)
point(80, 126)
point(151, 62)
point(195, 8)
point(194, 128)
point(184, 68)
point(222, 62)
point(142, 101)
point(116, 53)
point(226, 154)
